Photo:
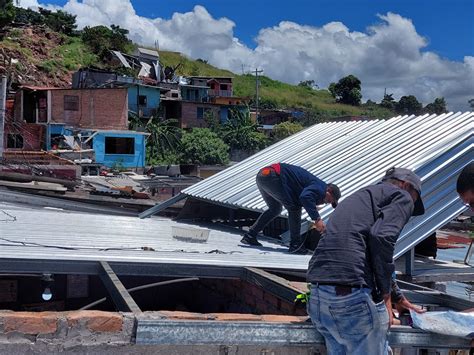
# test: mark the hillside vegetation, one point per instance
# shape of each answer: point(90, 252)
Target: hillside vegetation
point(39, 55)
point(274, 93)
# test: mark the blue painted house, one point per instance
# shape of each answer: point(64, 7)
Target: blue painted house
point(144, 100)
point(123, 148)
point(195, 93)
point(111, 147)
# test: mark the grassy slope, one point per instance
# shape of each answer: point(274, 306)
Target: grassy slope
point(285, 95)
point(60, 55)
point(45, 57)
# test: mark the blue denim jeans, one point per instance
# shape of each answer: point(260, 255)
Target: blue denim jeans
point(350, 324)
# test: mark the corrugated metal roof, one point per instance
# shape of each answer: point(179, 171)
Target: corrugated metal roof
point(356, 154)
point(45, 233)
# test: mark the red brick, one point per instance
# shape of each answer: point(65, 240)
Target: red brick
point(249, 299)
point(272, 300)
point(231, 317)
point(96, 321)
point(256, 291)
point(300, 286)
point(264, 308)
point(282, 319)
point(30, 322)
point(98, 108)
point(189, 118)
point(185, 315)
point(287, 308)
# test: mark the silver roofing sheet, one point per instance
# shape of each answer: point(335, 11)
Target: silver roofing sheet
point(44, 233)
point(356, 154)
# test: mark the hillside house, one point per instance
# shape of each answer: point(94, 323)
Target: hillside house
point(193, 114)
point(51, 118)
point(143, 99)
point(200, 97)
point(218, 86)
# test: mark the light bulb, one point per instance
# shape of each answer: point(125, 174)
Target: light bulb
point(47, 295)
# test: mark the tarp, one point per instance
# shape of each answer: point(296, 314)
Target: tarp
point(449, 323)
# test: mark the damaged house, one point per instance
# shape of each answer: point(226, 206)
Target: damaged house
point(76, 119)
point(202, 96)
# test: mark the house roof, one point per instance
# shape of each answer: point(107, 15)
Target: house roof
point(47, 234)
point(120, 132)
point(39, 88)
point(150, 52)
point(357, 153)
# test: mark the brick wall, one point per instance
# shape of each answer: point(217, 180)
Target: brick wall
point(66, 328)
point(189, 114)
point(98, 108)
point(255, 299)
point(33, 134)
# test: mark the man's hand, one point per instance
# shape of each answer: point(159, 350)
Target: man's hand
point(319, 226)
point(405, 305)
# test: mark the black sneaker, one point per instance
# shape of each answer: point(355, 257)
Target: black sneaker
point(249, 240)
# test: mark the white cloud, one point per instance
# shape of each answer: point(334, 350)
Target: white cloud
point(390, 54)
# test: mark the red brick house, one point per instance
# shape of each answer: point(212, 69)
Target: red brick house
point(36, 108)
point(218, 86)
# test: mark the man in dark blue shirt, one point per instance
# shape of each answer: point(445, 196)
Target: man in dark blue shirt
point(352, 268)
point(292, 187)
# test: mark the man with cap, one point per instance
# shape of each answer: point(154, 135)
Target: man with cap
point(292, 187)
point(351, 271)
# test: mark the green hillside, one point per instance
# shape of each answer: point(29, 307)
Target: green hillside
point(275, 93)
point(46, 57)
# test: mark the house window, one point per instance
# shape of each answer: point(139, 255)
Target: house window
point(71, 103)
point(200, 113)
point(142, 100)
point(174, 95)
point(213, 86)
point(119, 145)
point(14, 141)
point(223, 86)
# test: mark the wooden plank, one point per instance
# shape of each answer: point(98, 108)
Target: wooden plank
point(120, 296)
point(161, 206)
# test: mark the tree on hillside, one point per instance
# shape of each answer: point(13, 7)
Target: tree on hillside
point(408, 105)
point(240, 133)
point(102, 39)
point(471, 103)
point(202, 146)
point(285, 129)
point(59, 21)
point(265, 103)
point(7, 12)
point(164, 141)
point(28, 16)
point(388, 101)
point(347, 90)
point(310, 84)
point(438, 106)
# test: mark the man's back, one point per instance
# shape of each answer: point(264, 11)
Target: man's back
point(342, 254)
point(296, 179)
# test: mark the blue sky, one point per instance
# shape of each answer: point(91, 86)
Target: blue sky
point(447, 24)
point(409, 47)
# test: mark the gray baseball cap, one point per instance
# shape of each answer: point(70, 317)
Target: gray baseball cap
point(410, 177)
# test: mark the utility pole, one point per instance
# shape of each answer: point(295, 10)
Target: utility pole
point(256, 92)
point(3, 109)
